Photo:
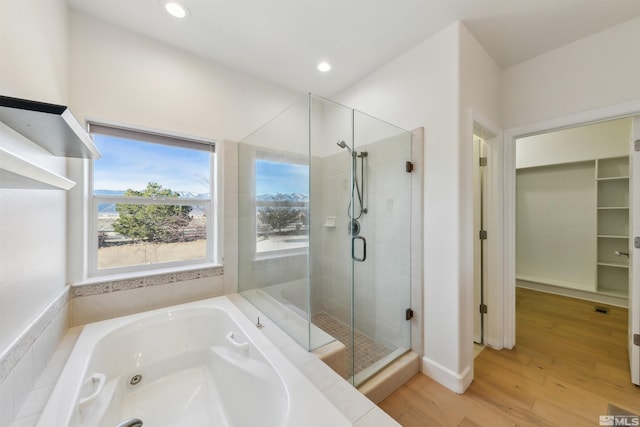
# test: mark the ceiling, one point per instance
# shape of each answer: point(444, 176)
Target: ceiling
point(282, 41)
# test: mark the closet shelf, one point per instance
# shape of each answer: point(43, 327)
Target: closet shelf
point(16, 172)
point(51, 126)
point(613, 178)
point(611, 264)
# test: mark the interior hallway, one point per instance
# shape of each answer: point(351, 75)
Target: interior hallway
point(570, 363)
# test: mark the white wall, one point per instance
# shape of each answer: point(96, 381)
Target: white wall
point(556, 225)
point(32, 222)
point(122, 77)
point(426, 87)
point(33, 48)
point(479, 82)
point(119, 76)
point(593, 72)
point(595, 141)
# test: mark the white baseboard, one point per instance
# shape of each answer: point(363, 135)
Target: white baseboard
point(457, 383)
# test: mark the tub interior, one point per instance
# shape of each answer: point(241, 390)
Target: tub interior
point(182, 368)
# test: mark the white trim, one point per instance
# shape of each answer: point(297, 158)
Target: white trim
point(510, 135)
point(573, 293)
point(457, 383)
point(213, 241)
point(494, 274)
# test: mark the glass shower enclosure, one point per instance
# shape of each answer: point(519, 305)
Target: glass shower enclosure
point(324, 230)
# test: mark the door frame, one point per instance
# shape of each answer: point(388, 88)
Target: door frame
point(478, 124)
point(628, 109)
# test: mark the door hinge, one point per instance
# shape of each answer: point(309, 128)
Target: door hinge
point(636, 145)
point(636, 339)
point(408, 315)
point(636, 242)
point(483, 161)
point(409, 167)
point(483, 308)
point(483, 235)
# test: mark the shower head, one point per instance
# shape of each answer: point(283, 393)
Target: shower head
point(343, 144)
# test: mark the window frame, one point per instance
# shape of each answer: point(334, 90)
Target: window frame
point(279, 157)
point(211, 205)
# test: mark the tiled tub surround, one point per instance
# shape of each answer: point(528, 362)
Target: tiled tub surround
point(357, 408)
point(23, 362)
point(205, 357)
point(114, 298)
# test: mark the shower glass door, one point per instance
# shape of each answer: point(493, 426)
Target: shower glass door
point(380, 243)
point(324, 242)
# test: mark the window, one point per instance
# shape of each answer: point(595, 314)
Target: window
point(282, 204)
point(151, 201)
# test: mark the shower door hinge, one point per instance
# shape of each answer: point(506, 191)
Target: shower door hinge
point(408, 315)
point(483, 161)
point(483, 308)
point(483, 235)
point(636, 339)
point(409, 167)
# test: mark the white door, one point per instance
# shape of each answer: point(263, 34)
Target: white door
point(478, 245)
point(634, 271)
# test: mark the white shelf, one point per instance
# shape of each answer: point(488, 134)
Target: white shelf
point(16, 172)
point(612, 178)
point(609, 264)
point(612, 181)
point(51, 126)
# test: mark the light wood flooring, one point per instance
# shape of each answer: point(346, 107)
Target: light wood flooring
point(568, 365)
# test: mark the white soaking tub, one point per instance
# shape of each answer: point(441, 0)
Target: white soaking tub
point(199, 364)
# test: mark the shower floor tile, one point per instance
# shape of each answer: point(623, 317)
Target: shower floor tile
point(367, 350)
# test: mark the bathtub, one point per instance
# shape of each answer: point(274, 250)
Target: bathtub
point(197, 364)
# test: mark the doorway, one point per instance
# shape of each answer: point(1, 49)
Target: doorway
point(606, 173)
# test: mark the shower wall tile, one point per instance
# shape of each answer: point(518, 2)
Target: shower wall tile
point(320, 374)
point(108, 305)
point(7, 397)
point(23, 381)
point(231, 213)
point(353, 405)
point(376, 418)
point(23, 362)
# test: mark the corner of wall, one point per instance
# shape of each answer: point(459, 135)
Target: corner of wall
point(456, 382)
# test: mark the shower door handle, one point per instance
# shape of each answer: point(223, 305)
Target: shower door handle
point(353, 248)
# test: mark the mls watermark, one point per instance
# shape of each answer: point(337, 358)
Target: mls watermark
point(619, 420)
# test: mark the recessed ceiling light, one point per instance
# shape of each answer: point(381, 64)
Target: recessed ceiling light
point(176, 9)
point(324, 66)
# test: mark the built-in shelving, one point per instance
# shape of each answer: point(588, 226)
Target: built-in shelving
point(50, 126)
point(17, 172)
point(612, 181)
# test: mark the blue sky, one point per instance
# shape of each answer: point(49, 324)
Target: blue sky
point(277, 177)
point(132, 164)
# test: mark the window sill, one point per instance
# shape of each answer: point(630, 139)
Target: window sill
point(125, 281)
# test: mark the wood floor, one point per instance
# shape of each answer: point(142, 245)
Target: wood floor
point(568, 365)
